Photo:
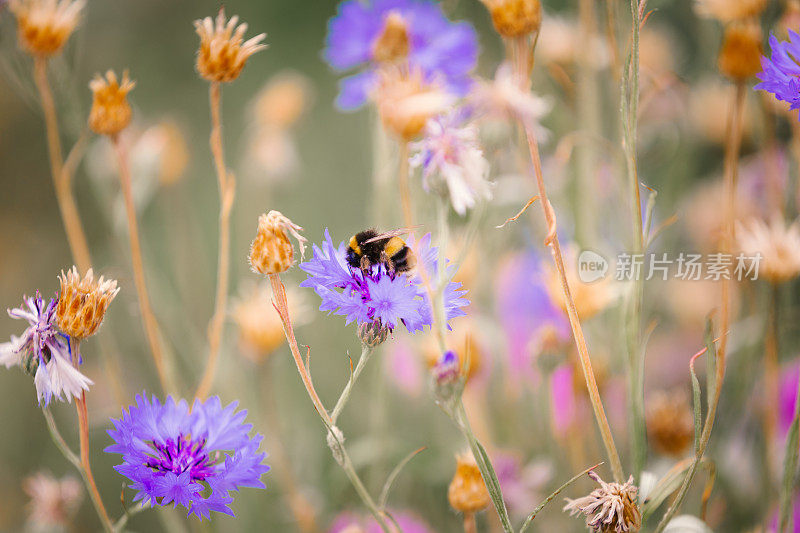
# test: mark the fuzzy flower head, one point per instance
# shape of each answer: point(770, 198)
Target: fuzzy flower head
point(190, 457)
point(53, 501)
point(379, 294)
point(43, 26)
point(367, 35)
point(271, 252)
point(780, 74)
point(82, 303)
point(223, 53)
point(612, 508)
point(452, 163)
point(111, 112)
point(43, 352)
point(777, 244)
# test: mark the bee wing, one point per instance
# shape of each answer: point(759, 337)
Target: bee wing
point(392, 233)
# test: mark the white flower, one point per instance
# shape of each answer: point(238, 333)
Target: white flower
point(452, 163)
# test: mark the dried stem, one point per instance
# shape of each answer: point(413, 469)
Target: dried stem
point(771, 370)
point(470, 526)
point(148, 318)
point(61, 182)
point(86, 467)
point(227, 189)
point(402, 181)
point(731, 168)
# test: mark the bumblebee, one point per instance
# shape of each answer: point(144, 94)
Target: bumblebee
point(369, 247)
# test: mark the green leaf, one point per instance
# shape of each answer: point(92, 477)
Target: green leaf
point(393, 475)
point(711, 360)
point(697, 403)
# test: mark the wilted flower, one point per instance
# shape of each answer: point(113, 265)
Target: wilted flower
point(670, 423)
point(406, 101)
point(82, 303)
point(780, 72)
point(740, 53)
point(612, 508)
point(271, 252)
point(452, 163)
point(730, 10)
point(379, 294)
point(222, 54)
point(44, 352)
point(515, 18)
point(190, 457)
point(43, 26)
point(503, 99)
point(111, 112)
point(53, 501)
point(467, 492)
point(366, 34)
point(777, 244)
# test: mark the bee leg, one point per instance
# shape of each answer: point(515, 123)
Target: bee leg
point(364, 264)
point(386, 260)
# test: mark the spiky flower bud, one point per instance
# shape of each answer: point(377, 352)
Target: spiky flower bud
point(43, 26)
point(373, 334)
point(222, 54)
point(740, 54)
point(467, 493)
point(271, 252)
point(111, 113)
point(392, 43)
point(82, 303)
point(515, 18)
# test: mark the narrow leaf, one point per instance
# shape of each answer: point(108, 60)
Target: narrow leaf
point(393, 475)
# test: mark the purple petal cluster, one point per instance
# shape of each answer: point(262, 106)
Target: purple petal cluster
point(391, 298)
point(441, 49)
point(193, 458)
point(780, 72)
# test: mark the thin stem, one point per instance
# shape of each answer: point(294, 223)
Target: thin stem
point(123, 520)
point(66, 201)
point(86, 466)
point(334, 434)
point(470, 526)
point(148, 318)
point(227, 190)
point(402, 182)
point(731, 168)
point(59, 441)
point(771, 370)
point(572, 313)
point(366, 352)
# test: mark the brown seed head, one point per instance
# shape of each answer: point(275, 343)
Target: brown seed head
point(392, 44)
point(82, 303)
point(515, 18)
point(612, 508)
point(467, 493)
point(406, 101)
point(43, 26)
point(111, 113)
point(740, 54)
point(670, 424)
point(271, 252)
point(222, 54)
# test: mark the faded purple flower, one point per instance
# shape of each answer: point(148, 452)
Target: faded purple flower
point(780, 72)
point(349, 521)
point(194, 458)
point(521, 483)
point(44, 352)
point(380, 295)
point(441, 49)
point(787, 398)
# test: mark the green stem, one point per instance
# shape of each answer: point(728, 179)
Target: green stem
point(366, 352)
point(59, 441)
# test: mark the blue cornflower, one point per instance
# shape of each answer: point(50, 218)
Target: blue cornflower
point(379, 295)
point(780, 72)
point(441, 49)
point(192, 458)
point(44, 352)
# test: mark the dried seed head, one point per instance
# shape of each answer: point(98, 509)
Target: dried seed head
point(222, 54)
point(467, 493)
point(111, 112)
point(406, 101)
point(612, 508)
point(373, 334)
point(740, 54)
point(392, 44)
point(515, 18)
point(777, 244)
point(730, 10)
point(271, 252)
point(82, 303)
point(43, 26)
point(670, 424)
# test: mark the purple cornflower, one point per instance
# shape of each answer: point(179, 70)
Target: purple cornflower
point(379, 294)
point(780, 72)
point(193, 458)
point(44, 352)
point(441, 49)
